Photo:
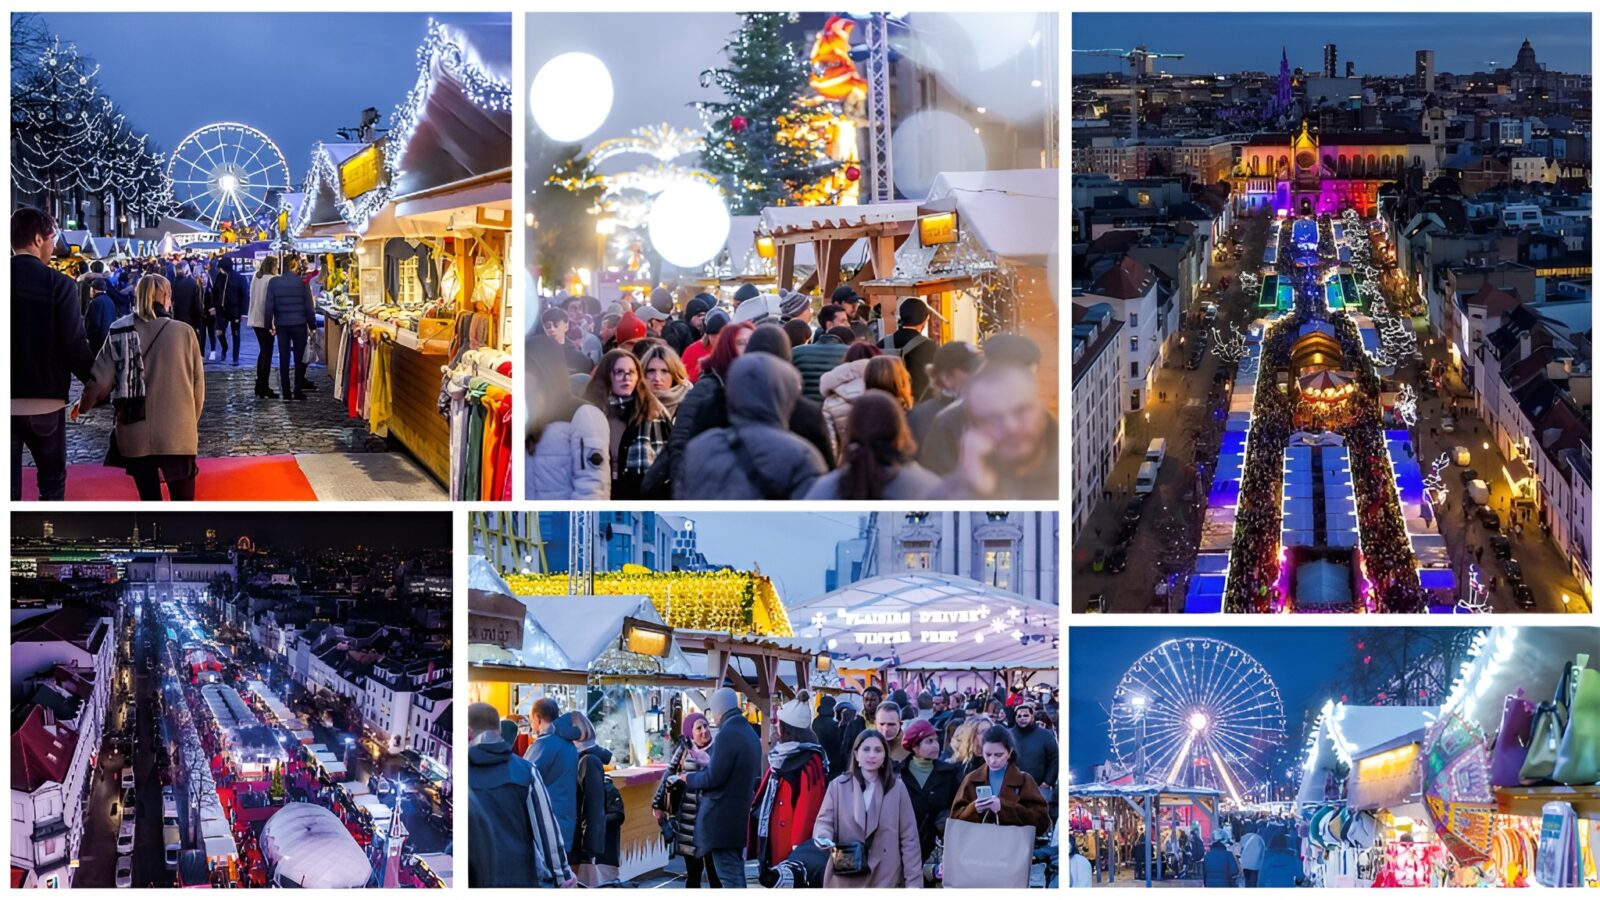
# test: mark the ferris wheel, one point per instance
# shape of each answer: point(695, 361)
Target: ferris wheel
point(1197, 712)
point(227, 172)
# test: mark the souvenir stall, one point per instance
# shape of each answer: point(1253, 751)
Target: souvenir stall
point(1512, 762)
point(1361, 797)
point(419, 335)
point(1145, 808)
point(610, 656)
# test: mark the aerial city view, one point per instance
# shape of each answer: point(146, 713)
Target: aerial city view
point(231, 700)
point(1331, 314)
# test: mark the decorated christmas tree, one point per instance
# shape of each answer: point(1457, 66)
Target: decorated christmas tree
point(758, 143)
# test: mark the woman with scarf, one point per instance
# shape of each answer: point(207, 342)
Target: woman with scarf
point(664, 373)
point(596, 854)
point(790, 791)
point(867, 817)
point(151, 369)
point(1013, 797)
point(639, 425)
point(680, 805)
point(931, 782)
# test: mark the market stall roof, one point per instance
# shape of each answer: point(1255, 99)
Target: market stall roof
point(913, 617)
point(590, 629)
point(993, 665)
point(787, 224)
point(1344, 733)
point(355, 788)
point(442, 865)
point(309, 847)
point(1014, 213)
point(456, 122)
point(741, 244)
point(1141, 789)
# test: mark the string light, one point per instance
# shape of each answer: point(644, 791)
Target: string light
point(738, 603)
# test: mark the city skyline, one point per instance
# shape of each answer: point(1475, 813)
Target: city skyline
point(399, 530)
point(1379, 44)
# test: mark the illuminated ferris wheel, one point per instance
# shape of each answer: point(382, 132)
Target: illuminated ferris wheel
point(227, 172)
point(1197, 712)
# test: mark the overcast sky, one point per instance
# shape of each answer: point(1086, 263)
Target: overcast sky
point(294, 76)
point(794, 549)
point(1379, 44)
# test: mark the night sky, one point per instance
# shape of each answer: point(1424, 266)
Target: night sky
point(1301, 660)
point(292, 530)
point(294, 76)
point(1379, 44)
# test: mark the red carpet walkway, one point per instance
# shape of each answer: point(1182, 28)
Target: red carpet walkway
point(221, 478)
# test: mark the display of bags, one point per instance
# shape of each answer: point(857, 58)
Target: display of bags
point(987, 854)
point(1578, 759)
point(1549, 723)
point(1511, 741)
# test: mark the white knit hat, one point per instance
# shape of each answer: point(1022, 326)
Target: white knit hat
point(796, 713)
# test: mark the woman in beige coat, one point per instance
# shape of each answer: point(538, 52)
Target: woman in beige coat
point(151, 370)
point(868, 803)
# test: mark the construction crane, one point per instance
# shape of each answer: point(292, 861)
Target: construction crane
point(1137, 59)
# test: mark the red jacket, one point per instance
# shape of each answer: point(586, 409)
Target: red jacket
point(796, 788)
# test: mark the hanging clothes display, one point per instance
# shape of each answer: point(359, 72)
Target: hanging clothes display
point(397, 250)
point(476, 398)
point(380, 391)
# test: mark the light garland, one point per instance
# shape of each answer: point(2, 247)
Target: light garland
point(441, 54)
point(726, 601)
point(1405, 405)
point(1230, 349)
point(1434, 484)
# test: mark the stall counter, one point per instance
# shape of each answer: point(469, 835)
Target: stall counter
point(643, 850)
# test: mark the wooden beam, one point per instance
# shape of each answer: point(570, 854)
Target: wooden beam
point(786, 266)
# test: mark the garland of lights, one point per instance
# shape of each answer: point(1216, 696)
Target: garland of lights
point(1476, 600)
point(725, 601)
point(441, 54)
point(1434, 483)
point(1405, 405)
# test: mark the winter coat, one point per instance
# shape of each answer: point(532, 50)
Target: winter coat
point(187, 306)
point(1038, 754)
point(1218, 869)
point(808, 422)
point(912, 482)
point(596, 840)
point(1252, 849)
point(755, 457)
point(931, 800)
point(48, 343)
point(572, 460)
point(287, 303)
point(793, 786)
point(827, 732)
point(895, 858)
point(175, 389)
point(1280, 867)
point(679, 335)
point(918, 360)
point(726, 787)
point(229, 297)
point(97, 321)
point(704, 408)
point(503, 845)
point(556, 757)
point(677, 801)
point(840, 387)
point(920, 418)
point(939, 443)
point(257, 317)
point(1020, 800)
point(815, 360)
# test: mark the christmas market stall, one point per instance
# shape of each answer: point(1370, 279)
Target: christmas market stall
point(1361, 798)
point(419, 324)
point(1149, 808)
point(1511, 765)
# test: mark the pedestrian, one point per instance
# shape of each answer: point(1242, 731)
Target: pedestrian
point(188, 305)
point(1218, 868)
point(878, 462)
point(1080, 872)
point(713, 322)
point(826, 727)
point(596, 854)
point(1252, 851)
point(965, 746)
point(515, 840)
point(679, 806)
point(288, 312)
point(756, 456)
point(1037, 750)
point(555, 755)
point(1011, 795)
point(705, 407)
point(823, 352)
point(931, 782)
point(806, 421)
point(229, 303)
point(909, 343)
point(887, 720)
point(257, 320)
point(867, 823)
point(1479, 553)
point(665, 375)
point(1010, 448)
point(101, 313)
point(727, 784)
point(841, 386)
point(151, 371)
point(568, 440)
point(639, 425)
point(1280, 866)
point(791, 789)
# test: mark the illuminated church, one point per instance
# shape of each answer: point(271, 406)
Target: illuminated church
point(1309, 173)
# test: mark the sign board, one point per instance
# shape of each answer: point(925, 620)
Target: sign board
point(939, 228)
point(363, 172)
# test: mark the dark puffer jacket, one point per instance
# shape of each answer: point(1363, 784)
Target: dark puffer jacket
point(756, 457)
point(678, 802)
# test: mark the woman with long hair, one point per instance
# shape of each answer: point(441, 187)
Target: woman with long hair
point(596, 853)
point(568, 441)
point(675, 803)
point(257, 319)
point(1013, 797)
point(665, 374)
point(888, 374)
point(840, 387)
point(639, 425)
point(966, 744)
point(878, 462)
point(151, 369)
point(867, 821)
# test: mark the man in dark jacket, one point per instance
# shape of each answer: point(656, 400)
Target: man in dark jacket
point(806, 421)
point(48, 348)
point(187, 306)
point(98, 317)
point(515, 841)
point(911, 345)
point(1219, 868)
point(824, 352)
point(827, 731)
point(680, 333)
point(290, 312)
point(231, 300)
point(755, 457)
point(1037, 751)
point(857, 313)
point(727, 786)
point(871, 697)
point(555, 755)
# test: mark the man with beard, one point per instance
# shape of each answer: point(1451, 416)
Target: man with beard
point(1037, 752)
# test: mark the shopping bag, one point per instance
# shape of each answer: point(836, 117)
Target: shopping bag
point(1556, 863)
point(987, 854)
point(1578, 760)
point(1511, 741)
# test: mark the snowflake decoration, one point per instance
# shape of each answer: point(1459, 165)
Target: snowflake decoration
point(819, 620)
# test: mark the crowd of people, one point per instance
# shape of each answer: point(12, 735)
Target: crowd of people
point(842, 797)
point(1246, 849)
point(776, 397)
point(137, 335)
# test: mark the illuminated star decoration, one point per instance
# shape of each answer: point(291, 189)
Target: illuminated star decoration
point(1433, 483)
point(1477, 598)
point(819, 620)
point(1405, 405)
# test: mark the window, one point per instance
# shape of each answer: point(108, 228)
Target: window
point(1134, 402)
point(916, 556)
point(997, 564)
point(1133, 344)
point(1133, 320)
point(1133, 370)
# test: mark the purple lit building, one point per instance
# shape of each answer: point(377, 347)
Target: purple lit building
point(1310, 173)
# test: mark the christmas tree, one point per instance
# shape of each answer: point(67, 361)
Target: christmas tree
point(563, 233)
point(757, 144)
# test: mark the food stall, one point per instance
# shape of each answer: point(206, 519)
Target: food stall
point(1156, 809)
point(423, 299)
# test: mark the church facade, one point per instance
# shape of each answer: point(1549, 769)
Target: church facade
point(1314, 174)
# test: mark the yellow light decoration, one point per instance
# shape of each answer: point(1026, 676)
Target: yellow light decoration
point(703, 601)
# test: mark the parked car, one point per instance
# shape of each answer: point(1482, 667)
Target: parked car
point(1467, 476)
point(1448, 424)
point(124, 871)
point(1133, 512)
point(1513, 570)
point(1523, 595)
point(125, 838)
point(1501, 546)
point(1097, 603)
point(1117, 559)
point(1489, 518)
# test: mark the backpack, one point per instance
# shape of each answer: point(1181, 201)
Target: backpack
point(887, 345)
point(616, 812)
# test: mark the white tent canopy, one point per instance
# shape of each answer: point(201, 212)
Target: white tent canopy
point(307, 846)
point(1343, 732)
point(1014, 213)
point(585, 628)
point(926, 617)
